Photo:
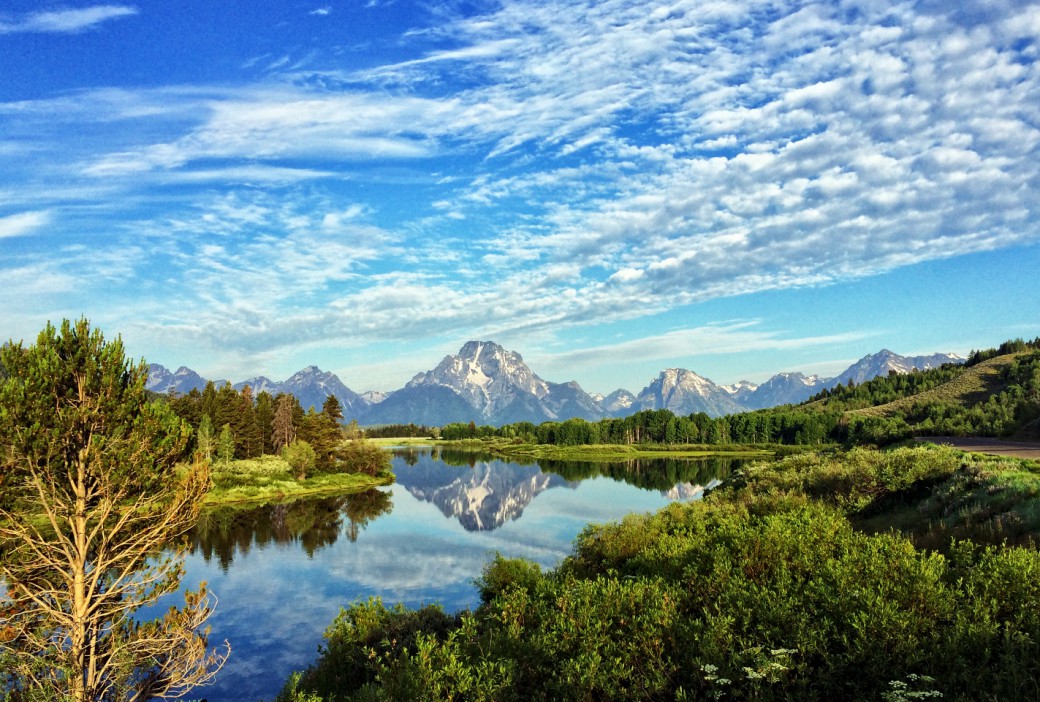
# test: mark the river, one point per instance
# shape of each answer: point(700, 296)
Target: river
point(281, 573)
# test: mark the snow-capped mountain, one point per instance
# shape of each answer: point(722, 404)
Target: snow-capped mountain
point(740, 390)
point(311, 386)
point(183, 381)
point(374, 397)
point(483, 497)
point(792, 388)
point(487, 384)
point(486, 375)
point(566, 400)
point(684, 392)
point(783, 389)
point(618, 403)
point(880, 363)
point(495, 386)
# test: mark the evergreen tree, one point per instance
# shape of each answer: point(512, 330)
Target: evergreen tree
point(226, 445)
point(332, 409)
point(247, 441)
point(90, 463)
point(204, 438)
point(263, 417)
point(323, 434)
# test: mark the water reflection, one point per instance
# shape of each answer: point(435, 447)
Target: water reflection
point(489, 492)
point(480, 491)
point(662, 474)
point(282, 572)
point(224, 532)
point(483, 495)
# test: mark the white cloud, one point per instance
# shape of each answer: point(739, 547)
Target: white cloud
point(23, 223)
point(603, 161)
point(739, 336)
point(67, 21)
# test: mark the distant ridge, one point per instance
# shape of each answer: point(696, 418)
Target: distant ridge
point(485, 383)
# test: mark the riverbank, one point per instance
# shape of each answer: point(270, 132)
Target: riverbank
point(595, 453)
point(839, 574)
point(268, 479)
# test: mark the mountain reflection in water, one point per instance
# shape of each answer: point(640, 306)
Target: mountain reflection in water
point(493, 491)
point(281, 572)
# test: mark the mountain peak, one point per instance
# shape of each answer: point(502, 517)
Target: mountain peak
point(500, 388)
point(488, 383)
point(311, 386)
point(684, 392)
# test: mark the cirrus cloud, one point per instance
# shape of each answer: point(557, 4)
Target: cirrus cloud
point(66, 21)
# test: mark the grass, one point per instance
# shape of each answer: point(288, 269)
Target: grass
point(615, 452)
point(932, 494)
point(405, 441)
point(593, 452)
point(268, 479)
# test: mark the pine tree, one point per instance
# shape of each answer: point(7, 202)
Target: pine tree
point(205, 439)
point(90, 464)
point(226, 445)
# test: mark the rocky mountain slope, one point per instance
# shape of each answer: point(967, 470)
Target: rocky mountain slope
point(495, 387)
point(481, 498)
point(684, 392)
point(182, 381)
point(311, 386)
point(485, 383)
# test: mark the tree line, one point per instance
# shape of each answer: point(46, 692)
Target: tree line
point(229, 424)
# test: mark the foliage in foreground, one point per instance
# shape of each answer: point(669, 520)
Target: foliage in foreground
point(764, 591)
point(91, 498)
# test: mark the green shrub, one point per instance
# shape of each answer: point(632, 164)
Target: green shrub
point(764, 591)
point(501, 574)
point(301, 458)
point(360, 456)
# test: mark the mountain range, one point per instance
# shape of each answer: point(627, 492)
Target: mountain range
point(487, 384)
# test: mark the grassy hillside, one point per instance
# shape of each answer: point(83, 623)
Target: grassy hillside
point(973, 386)
point(995, 394)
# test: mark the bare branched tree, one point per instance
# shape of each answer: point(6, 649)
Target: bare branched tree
point(95, 527)
point(284, 431)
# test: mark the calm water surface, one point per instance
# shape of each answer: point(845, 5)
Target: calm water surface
point(282, 573)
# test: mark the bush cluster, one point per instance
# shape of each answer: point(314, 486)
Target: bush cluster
point(765, 591)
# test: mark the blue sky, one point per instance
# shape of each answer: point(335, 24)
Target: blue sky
point(609, 188)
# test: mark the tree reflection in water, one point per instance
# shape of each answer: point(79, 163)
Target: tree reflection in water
point(224, 532)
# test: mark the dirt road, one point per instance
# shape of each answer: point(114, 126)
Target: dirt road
point(998, 447)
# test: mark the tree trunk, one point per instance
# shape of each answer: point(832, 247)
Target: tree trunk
point(80, 606)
